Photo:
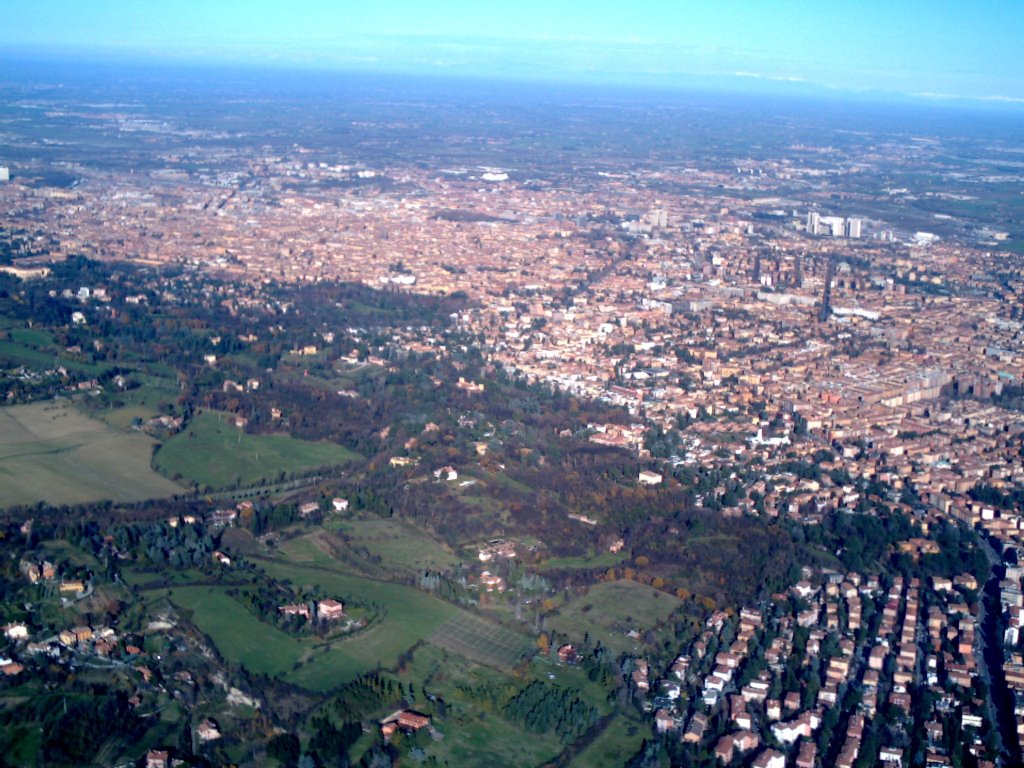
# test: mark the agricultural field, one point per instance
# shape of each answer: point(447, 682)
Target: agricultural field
point(51, 452)
point(482, 641)
point(32, 348)
point(121, 409)
point(211, 452)
point(475, 734)
point(592, 560)
point(611, 609)
point(397, 543)
point(238, 635)
point(407, 616)
point(617, 743)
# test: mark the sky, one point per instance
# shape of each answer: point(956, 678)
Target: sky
point(935, 49)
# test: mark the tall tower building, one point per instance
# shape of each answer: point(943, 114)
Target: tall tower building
point(5, 173)
point(853, 227)
point(813, 222)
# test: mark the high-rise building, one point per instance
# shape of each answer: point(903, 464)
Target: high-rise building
point(813, 220)
point(5, 173)
point(853, 227)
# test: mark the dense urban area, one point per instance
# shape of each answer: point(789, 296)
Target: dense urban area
point(467, 426)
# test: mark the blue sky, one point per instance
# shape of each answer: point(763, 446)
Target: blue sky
point(940, 48)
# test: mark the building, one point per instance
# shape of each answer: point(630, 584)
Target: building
point(649, 478)
point(5, 173)
point(770, 758)
point(295, 609)
point(208, 730)
point(330, 609)
point(17, 631)
point(853, 227)
point(406, 720)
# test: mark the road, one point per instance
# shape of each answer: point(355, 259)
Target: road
point(989, 654)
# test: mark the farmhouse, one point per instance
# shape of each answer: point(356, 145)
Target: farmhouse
point(16, 631)
point(567, 654)
point(208, 730)
point(446, 473)
point(649, 478)
point(330, 609)
point(405, 720)
point(295, 609)
point(491, 582)
point(340, 505)
point(308, 509)
point(495, 549)
point(221, 558)
point(223, 517)
point(72, 586)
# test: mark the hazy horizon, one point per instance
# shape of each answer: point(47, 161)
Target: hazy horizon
point(912, 50)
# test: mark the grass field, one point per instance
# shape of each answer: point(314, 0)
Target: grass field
point(141, 403)
point(51, 452)
point(611, 609)
point(474, 735)
point(618, 742)
point(602, 560)
point(15, 353)
point(216, 454)
point(482, 641)
point(398, 543)
point(238, 635)
point(408, 616)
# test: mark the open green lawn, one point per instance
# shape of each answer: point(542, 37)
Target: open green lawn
point(238, 635)
point(213, 453)
point(31, 337)
point(611, 609)
point(51, 452)
point(602, 560)
point(13, 353)
point(619, 741)
point(474, 735)
point(398, 543)
point(407, 616)
point(119, 409)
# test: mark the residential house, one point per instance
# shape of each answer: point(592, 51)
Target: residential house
point(208, 730)
point(330, 609)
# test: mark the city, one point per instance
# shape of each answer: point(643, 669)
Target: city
point(412, 421)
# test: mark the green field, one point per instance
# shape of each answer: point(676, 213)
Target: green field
point(602, 560)
point(212, 453)
point(611, 609)
point(51, 452)
point(14, 353)
point(475, 735)
point(406, 616)
point(618, 742)
point(482, 641)
point(398, 543)
point(238, 635)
